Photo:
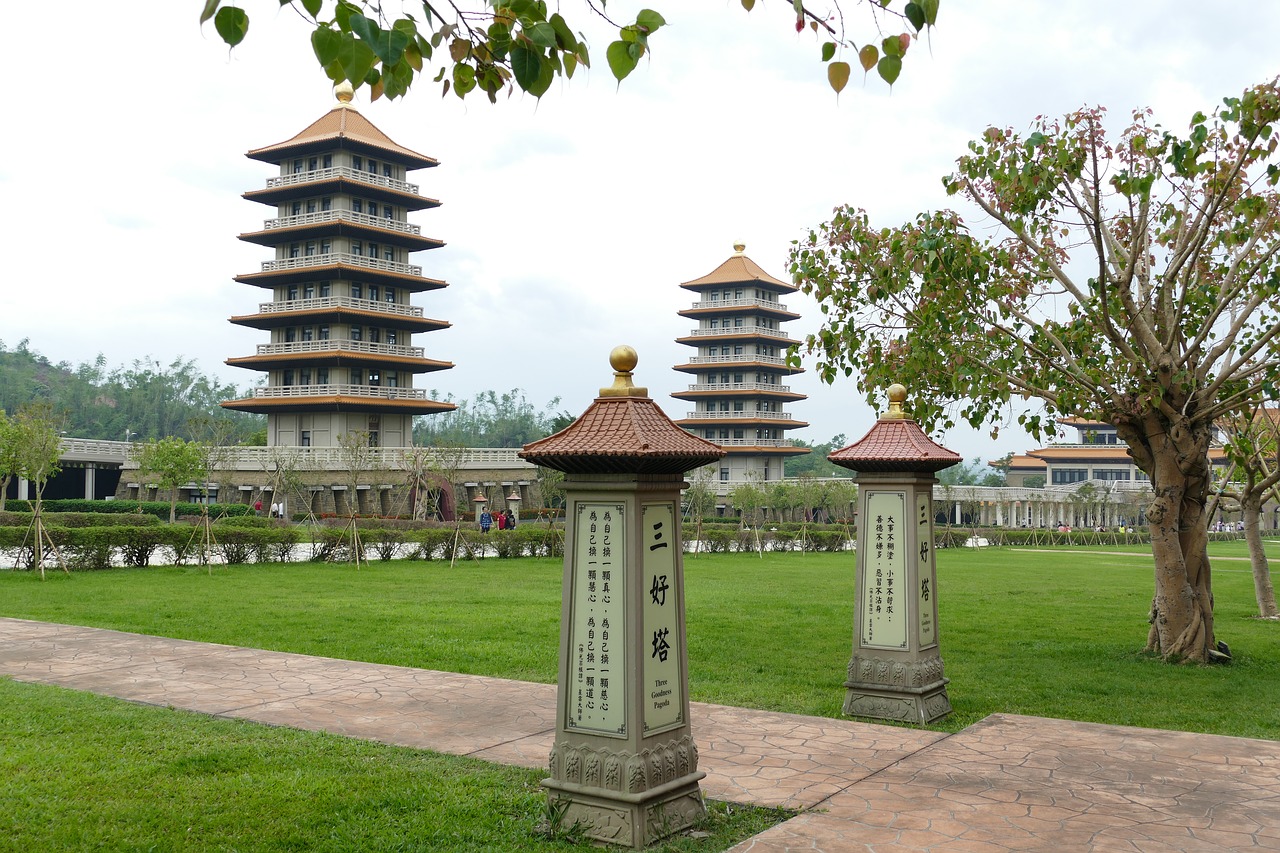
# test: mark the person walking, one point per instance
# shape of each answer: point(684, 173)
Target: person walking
point(486, 521)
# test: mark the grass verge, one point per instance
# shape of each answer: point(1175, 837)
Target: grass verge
point(84, 772)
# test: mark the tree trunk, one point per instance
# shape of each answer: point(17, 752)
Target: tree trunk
point(1251, 507)
point(1176, 455)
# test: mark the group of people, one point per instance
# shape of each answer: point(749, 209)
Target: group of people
point(500, 518)
point(276, 509)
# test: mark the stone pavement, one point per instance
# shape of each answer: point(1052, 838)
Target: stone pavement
point(1006, 783)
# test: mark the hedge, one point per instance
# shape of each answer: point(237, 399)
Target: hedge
point(160, 509)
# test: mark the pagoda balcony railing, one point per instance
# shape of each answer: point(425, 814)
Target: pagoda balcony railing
point(740, 386)
point(752, 442)
point(745, 302)
point(728, 416)
point(342, 172)
point(330, 258)
point(382, 391)
point(343, 344)
point(738, 359)
point(761, 331)
point(324, 216)
point(324, 302)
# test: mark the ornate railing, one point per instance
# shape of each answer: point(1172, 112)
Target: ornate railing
point(323, 302)
point(724, 416)
point(754, 331)
point(745, 302)
point(330, 258)
point(343, 344)
point(753, 442)
point(382, 391)
point(325, 216)
point(342, 172)
point(738, 359)
point(740, 386)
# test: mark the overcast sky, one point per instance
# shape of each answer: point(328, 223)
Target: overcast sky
point(569, 222)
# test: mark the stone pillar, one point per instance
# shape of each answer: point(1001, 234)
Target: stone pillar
point(896, 669)
point(90, 481)
point(624, 764)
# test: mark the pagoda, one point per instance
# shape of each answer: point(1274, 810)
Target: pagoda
point(739, 368)
point(340, 359)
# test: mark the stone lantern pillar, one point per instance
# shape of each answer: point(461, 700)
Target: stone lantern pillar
point(896, 669)
point(624, 764)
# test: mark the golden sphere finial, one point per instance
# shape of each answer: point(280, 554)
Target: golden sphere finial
point(623, 358)
point(739, 247)
point(897, 396)
point(344, 92)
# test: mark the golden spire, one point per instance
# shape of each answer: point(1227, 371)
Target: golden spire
point(897, 396)
point(344, 92)
point(623, 359)
point(739, 247)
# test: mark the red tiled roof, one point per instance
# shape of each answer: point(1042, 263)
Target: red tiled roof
point(1100, 452)
point(895, 445)
point(622, 435)
point(1021, 463)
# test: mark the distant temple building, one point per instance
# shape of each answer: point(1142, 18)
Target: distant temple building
point(1097, 454)
point(737, 393)
point(340, 359)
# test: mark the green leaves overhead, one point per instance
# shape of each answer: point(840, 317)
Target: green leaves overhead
point(232, 24)
point(522, 44)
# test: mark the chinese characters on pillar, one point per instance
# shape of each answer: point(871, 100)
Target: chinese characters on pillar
point(595, 699)
point(924, 573)
point(884, 617)
point(664, 702)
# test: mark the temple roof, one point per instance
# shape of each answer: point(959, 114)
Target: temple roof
point(895, 443)
point(341, 124)
point(622, 432)
point(739, 269)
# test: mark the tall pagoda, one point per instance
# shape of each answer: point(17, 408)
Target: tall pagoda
point(341, 358)
point(739, 368)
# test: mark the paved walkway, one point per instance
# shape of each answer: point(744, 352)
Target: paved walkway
point(1006, 783)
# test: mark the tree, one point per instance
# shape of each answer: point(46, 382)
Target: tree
point(815, 463)
point(1252, 441)
point(970, 474)
point(9, 466)
point(171, 461)
point(491, 420)
point(502, 44)
point(1132, 281)
point(37, 450)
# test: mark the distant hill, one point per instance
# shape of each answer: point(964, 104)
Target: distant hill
point(145, 400)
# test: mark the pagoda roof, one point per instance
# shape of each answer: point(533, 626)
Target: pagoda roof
point(622, 432)
point(895, 444)
point(739, 269)
point(342, 124)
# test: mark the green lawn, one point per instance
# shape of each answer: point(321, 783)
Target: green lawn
point(1055, 634)
point(1050, 633)
point(83, 772)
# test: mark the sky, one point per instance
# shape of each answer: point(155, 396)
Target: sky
point(569, 222)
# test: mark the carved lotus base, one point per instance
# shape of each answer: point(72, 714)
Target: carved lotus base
point(906, 705)
point(629, 820)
